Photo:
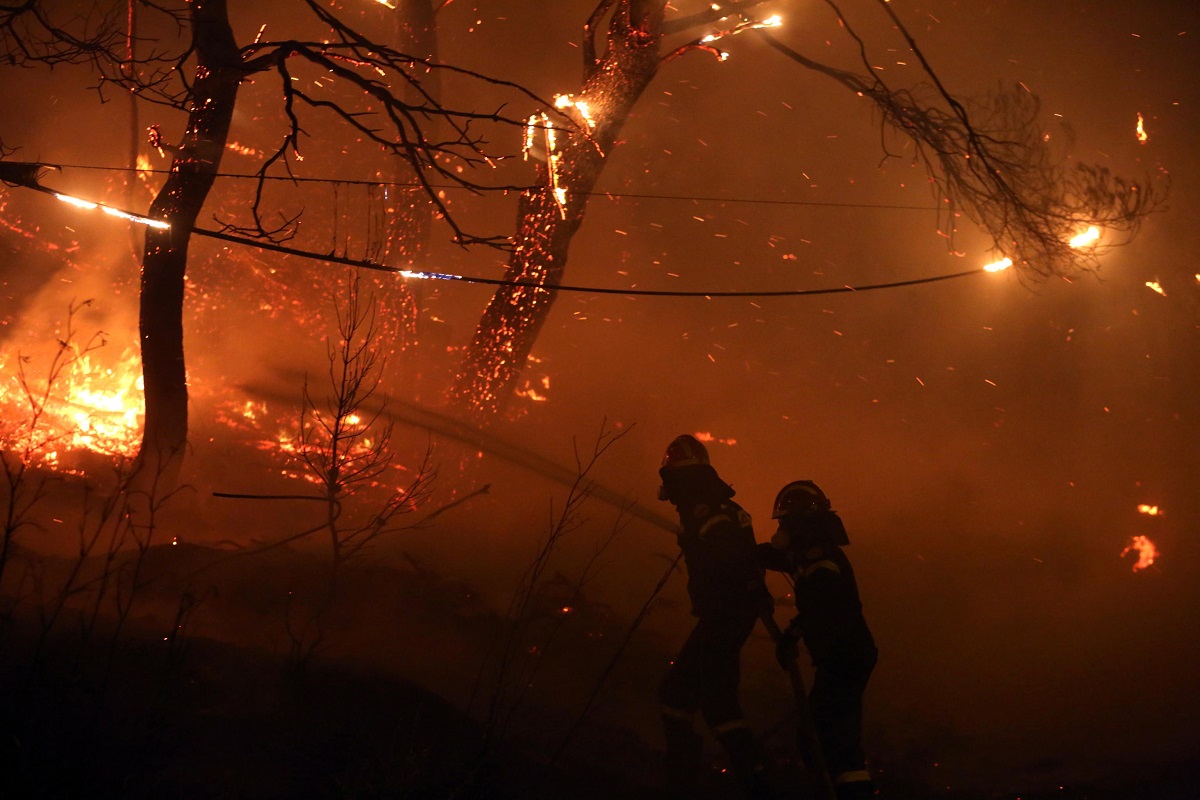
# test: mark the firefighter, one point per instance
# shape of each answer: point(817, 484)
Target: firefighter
point(728, 595)
point(829, 620)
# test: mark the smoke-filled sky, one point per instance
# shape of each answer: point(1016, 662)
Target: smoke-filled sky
point(988, 440)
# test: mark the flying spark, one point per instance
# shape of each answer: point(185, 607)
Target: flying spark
point(998, 266)
point(1149, 510)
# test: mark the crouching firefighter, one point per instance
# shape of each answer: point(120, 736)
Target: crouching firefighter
point(728, 595)
point(829, 620)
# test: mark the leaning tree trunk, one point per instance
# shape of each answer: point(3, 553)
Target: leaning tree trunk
point(193, 170)
point(545, 226)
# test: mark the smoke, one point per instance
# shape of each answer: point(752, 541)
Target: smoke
point(987, 445)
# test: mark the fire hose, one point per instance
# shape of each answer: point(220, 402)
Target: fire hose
point(814, 755)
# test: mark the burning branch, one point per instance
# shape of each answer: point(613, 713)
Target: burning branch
point(995, 164)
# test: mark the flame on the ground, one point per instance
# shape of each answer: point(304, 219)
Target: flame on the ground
point(92, 407)
point(275, 433)
point(1146, 551)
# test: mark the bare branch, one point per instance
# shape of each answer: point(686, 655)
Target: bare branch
point(1000, 170)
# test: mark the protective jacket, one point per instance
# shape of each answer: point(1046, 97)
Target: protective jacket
point(829, 616)
point(724, 576)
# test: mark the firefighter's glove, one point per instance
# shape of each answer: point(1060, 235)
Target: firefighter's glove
point(786, 650)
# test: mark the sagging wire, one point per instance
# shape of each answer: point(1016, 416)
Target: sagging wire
point(560, 287)
point(27, 174)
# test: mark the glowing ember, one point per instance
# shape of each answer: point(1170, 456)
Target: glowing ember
point(1090, 236)
point(1145, 549)
point(1156, 286)
point(531, 392)
point(1148, 510)
point(1142, 136)
point(998, 266)
point(705, 436)
point(90, 408)
point(748, 25)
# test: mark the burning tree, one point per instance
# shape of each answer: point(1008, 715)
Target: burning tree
point(380, 94)
point(994, 166)
point(990, 162)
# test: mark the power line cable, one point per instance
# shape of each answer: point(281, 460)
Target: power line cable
point(445, 276)
point(25, 175)
point(621, 195)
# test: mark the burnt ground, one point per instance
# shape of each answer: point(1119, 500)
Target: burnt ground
point(238, 703)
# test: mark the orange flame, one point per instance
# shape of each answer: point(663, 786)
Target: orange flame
point(1146, 550)
point(1142, 136)
point(1090, 236)
point(708, 437)
point(92, 407)
point(1149, 510)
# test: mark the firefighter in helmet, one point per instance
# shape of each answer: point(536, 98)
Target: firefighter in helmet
point(728, 595)
point(829, 620)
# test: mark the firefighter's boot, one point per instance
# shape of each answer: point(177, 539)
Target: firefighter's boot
point(684, 759)
point(854, 785)
point(748, 761)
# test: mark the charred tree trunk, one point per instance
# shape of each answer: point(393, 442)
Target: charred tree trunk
point(193, 170)
point(546, 221)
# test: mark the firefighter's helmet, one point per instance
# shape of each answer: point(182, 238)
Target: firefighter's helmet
point(684, 451)
point(684, 455)
point(800, 498)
